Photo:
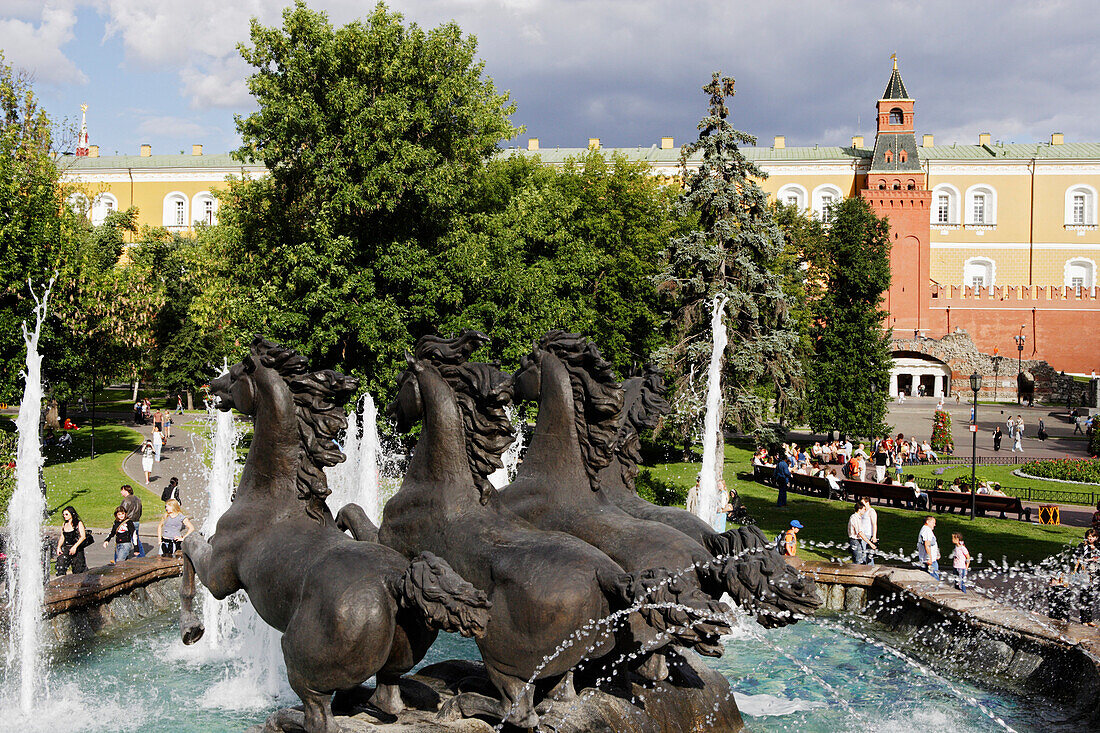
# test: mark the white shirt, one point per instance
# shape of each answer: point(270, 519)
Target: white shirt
point(855, 526)
point(927, 536)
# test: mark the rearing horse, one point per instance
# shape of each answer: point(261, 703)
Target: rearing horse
point(557, 486)
point(545, 587)
point(347, 609)
point(752, 572)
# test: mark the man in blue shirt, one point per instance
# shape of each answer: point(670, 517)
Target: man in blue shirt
point(782, 480)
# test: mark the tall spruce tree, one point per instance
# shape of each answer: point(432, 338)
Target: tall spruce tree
point(848, 375)
point(732, 251)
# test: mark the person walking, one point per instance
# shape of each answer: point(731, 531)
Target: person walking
point(1018, 436)
point(132, 505)
point(70, 545)
point(856, 537)
point(147, 460)
point(158, 443)
point(170, 530)
point(882, 460)
point(179, 405)
point(782, 481)
point(124, 533)
point(171, 491)
point(960, 559)
point(997, 435)
point(870, 531)
point(928, 550)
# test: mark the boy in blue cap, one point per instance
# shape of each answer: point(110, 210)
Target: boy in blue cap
point(788, 545)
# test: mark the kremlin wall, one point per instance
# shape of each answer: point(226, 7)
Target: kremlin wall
point(996, 241)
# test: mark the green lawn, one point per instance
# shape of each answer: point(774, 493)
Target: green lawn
point(826, 521)
point(91, 485)
point(1002, 475)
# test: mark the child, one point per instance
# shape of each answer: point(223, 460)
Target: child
point(961, 559)
point(123, 532)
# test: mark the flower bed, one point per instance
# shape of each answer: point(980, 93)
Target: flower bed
point(1081, 470)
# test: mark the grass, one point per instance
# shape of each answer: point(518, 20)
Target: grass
point(827, 521)
point(91, 484)
point(1001, 474)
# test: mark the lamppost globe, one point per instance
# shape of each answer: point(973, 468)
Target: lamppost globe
point(976, 382)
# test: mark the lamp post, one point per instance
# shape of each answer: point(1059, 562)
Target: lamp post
point(975, 384)
point(1020, 339)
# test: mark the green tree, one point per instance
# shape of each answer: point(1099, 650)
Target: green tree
point(372, 134)
point(733, 252)
point(35, 227)
point(849, 374)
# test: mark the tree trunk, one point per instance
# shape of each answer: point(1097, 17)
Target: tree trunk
point(190, 400)
point(137, 384)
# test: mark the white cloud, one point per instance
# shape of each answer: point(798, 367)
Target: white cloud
point(35, 43)
point(167, 126)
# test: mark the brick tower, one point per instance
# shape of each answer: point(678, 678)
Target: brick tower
point(897, 189)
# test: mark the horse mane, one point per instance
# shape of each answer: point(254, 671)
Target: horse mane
point(597, 398)
point(319, 398)
point(482, 392)
point(642, 413)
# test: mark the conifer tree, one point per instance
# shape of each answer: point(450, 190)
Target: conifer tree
point(848, 376)
point(732, 251)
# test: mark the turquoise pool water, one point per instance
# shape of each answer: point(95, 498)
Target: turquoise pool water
point(820, 676)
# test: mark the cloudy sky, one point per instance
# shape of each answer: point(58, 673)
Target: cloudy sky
point(167, 72)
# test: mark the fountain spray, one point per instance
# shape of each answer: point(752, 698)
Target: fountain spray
point(712, 435)
point(25, 514)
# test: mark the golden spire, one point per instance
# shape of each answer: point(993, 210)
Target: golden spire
point(894, 58)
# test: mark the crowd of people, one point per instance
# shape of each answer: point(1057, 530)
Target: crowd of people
point(75, 537)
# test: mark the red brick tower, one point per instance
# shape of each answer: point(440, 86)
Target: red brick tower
point(897, 189)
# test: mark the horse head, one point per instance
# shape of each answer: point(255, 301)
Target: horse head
point(462, 404)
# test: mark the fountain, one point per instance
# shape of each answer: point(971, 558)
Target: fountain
point(25, 515)
point(356, 480)
point(709, 499)
point(506, 474)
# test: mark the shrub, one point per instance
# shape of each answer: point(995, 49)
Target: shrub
point(659, 491)
point(1065, 469)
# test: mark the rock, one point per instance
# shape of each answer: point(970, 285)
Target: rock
point(854, 599)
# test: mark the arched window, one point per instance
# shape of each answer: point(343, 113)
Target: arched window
point(78, 203)
point(1081, 205)
point(793, 195)
point(981, 205)
point(825, 197)
point(902, 156)
point(175, 211)
point(204, 208)
point(103, 205)
point(897, 117)
point(945, 204)
point(1080, 274)
point(979, 272)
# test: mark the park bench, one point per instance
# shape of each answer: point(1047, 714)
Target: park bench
point(983, 503)
point(895, 494)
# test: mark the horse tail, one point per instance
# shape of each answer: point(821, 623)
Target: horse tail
point(447, 601)
point(353, 517)
point(759, 579)
point(669, 607)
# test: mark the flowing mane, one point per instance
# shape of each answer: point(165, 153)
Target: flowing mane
point(597, 397)
point(319, 397)
point(482, 392)
point(642, 413)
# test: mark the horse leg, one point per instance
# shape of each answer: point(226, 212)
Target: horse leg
point(516, 706)
point(200, 561)
point(387, 695)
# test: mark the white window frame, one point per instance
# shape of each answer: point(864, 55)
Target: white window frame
point(953, 198)
point(990, 194)
point(198, 207)
point(103, 205)
point(989, 274)
point(1081, 189)
point(817, 203)
point(793, 190)
point(1089, 275)
point(171, 220)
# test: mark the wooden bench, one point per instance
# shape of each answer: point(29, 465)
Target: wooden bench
point(983, 503)
point(895, 494)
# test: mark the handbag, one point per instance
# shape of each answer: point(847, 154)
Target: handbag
point(88, 540)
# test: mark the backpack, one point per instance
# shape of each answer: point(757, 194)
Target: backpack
point(852, 468)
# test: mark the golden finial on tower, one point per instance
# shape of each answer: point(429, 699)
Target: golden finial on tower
point(894, 58)
point(84, 107)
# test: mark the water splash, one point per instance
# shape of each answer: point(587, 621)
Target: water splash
point(356, 480)
point(510, 458)
point(26, 510)
point(712, 436)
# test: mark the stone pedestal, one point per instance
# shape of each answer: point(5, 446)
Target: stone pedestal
point(694, 698)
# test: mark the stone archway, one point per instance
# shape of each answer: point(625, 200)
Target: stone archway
point(913, 373)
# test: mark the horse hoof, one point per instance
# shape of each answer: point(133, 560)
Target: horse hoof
point(192, 633)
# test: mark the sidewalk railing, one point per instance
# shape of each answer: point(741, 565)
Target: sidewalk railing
point(1041, 496)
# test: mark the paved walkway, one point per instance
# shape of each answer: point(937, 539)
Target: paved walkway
point(182, 457)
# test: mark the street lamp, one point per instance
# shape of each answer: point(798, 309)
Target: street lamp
point(975, 384)
point(1020, 339)
point(996, 371)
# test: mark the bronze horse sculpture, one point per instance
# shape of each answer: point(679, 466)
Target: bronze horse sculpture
point(547, 589)
point(557, 485)
point(348, 609)
point(752, 572)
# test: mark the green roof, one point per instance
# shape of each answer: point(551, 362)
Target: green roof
point(1013, 151)
point(671, 156)
point(216, 160)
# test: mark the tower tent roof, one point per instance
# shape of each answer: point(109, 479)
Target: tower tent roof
point(895, 89)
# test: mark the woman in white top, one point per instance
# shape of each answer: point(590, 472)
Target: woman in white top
point(158, 443)
point(147, 459)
